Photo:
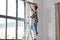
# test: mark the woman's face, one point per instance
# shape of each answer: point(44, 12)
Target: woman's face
point(34, 8)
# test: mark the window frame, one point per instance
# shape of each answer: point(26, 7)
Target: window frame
point(15, 18)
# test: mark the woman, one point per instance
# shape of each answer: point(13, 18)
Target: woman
point(34, 18)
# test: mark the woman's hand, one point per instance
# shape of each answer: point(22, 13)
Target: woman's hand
point(31, 7)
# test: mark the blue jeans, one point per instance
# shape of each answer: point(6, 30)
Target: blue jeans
point(34, 25)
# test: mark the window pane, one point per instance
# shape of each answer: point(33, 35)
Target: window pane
point(2, 28)
point(11, 28)
point(2, 7)
point(20, 29)
point(12, 8)
point(20, 9)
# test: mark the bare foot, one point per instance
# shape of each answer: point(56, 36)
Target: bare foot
point(34, 39)
point(36, 32)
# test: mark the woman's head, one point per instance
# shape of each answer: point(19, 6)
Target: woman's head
point(35, 7)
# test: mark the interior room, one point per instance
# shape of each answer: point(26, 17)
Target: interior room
point(30, 19)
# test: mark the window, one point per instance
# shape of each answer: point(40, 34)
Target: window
point(2, 7)
point(2, 28)
point(11, 25)
point(20, 9)
point(11, 29)
point(12, 8)
point(20, 29)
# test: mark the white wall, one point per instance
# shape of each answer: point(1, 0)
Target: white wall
point(49, 19)
point(40, 16)
point(46, 15)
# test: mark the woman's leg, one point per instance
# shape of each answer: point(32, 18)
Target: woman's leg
point(35, 24)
